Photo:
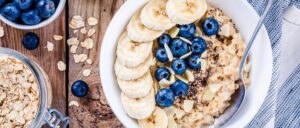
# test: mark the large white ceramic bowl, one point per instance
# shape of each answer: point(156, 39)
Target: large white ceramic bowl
point(245, 18)
point(60, 7)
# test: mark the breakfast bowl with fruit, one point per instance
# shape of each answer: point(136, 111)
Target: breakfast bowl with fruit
point(171, 63)
point(30, 14)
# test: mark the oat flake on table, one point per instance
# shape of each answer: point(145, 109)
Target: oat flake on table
point(50, 46)
point(91, 32)
point(76, 22)
point(88, 43)
point(86, 72)
point(61, 66)
point(72, 41)
point(1, 31)
point(73, 48)
point(57, 37)
point(83, 30)
point(92, 21)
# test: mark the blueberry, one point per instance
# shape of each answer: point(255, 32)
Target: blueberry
point(178, 66)
point(162, 73)
point(30, 41)
point(161, 55)
point(179, 47)
point(164, 39)
point(198, 45)
point(193, 62)
point(23, 4)
point(179, 88)
point(80, 88)
point(31, 17)
point(11, 12)
point(46, 8)
point(210, 26)
point(165, 97)
point(187, 31)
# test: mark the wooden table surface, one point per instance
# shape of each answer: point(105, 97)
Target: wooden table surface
point(93, 110)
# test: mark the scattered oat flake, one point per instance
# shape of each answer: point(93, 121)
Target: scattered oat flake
point(87, 72)
point(89, 61)
point(57, 37)
point(82, 57)
point(76, 22)
point(61, 66)
point(91, 32)
point(73, 48)
point(1, 31)
point(73, 41)
point(92, 21)
point(83, 30)
point(88, 43)
point(73, 103)
point(50, 46)
point(76, 58)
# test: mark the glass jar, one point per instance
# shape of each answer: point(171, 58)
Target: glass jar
point(44, 116)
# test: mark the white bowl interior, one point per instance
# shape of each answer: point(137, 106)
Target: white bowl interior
point(58, 10)
point(245, 19)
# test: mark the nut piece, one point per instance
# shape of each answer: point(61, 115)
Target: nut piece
point(92, 21)
point(50, 46)
point(61, 66)
point(1, 31)
point(57, 37)
point(87, 72)
point(91, 32)
point(73, 41)
point(188, 105)
point(73, 48)
point(88, 43)
point(76, 22)
point(73, 103)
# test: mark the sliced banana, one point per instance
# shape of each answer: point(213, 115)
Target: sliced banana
point(154, 16)
point(140, 33)
point(186, 11)
point(139, 108)
point(158, 119)
point(131, 54)
point(137, 88)
point(125, 73)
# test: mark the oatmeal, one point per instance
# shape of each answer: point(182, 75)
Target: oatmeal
point(195, 70)
point(19, 94)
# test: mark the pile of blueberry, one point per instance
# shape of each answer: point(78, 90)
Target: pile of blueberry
point(28, 12)
point(165, 97)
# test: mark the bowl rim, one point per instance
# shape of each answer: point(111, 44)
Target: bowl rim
point(57, 12)
point(126, 7)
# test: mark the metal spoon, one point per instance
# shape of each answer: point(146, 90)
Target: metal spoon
point(240, 94)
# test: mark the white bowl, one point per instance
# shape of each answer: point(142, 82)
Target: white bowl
point(58, 10)
point(245, 18)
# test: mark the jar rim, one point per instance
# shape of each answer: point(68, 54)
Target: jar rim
point(37, 73)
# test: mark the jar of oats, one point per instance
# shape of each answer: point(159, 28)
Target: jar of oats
point(25, 94)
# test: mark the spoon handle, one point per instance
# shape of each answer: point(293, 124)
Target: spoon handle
point(250, 43)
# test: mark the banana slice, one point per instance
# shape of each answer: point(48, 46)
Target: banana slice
point(186, 11)
point(137, 88)
point(125, 73)
point(158, 119)
point(140, 108)
point(131, 54)
point(140, 33)
point(154, 16)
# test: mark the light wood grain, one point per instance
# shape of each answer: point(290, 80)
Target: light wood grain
point(93, 110)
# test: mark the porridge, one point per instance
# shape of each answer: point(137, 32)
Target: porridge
point(19, 94)
point(177, 64)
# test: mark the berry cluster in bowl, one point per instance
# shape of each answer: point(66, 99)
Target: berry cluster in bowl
point(28, 12)
point(186, 49)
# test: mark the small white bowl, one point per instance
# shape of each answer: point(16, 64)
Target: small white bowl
point(57, 12)
point(245, 18)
